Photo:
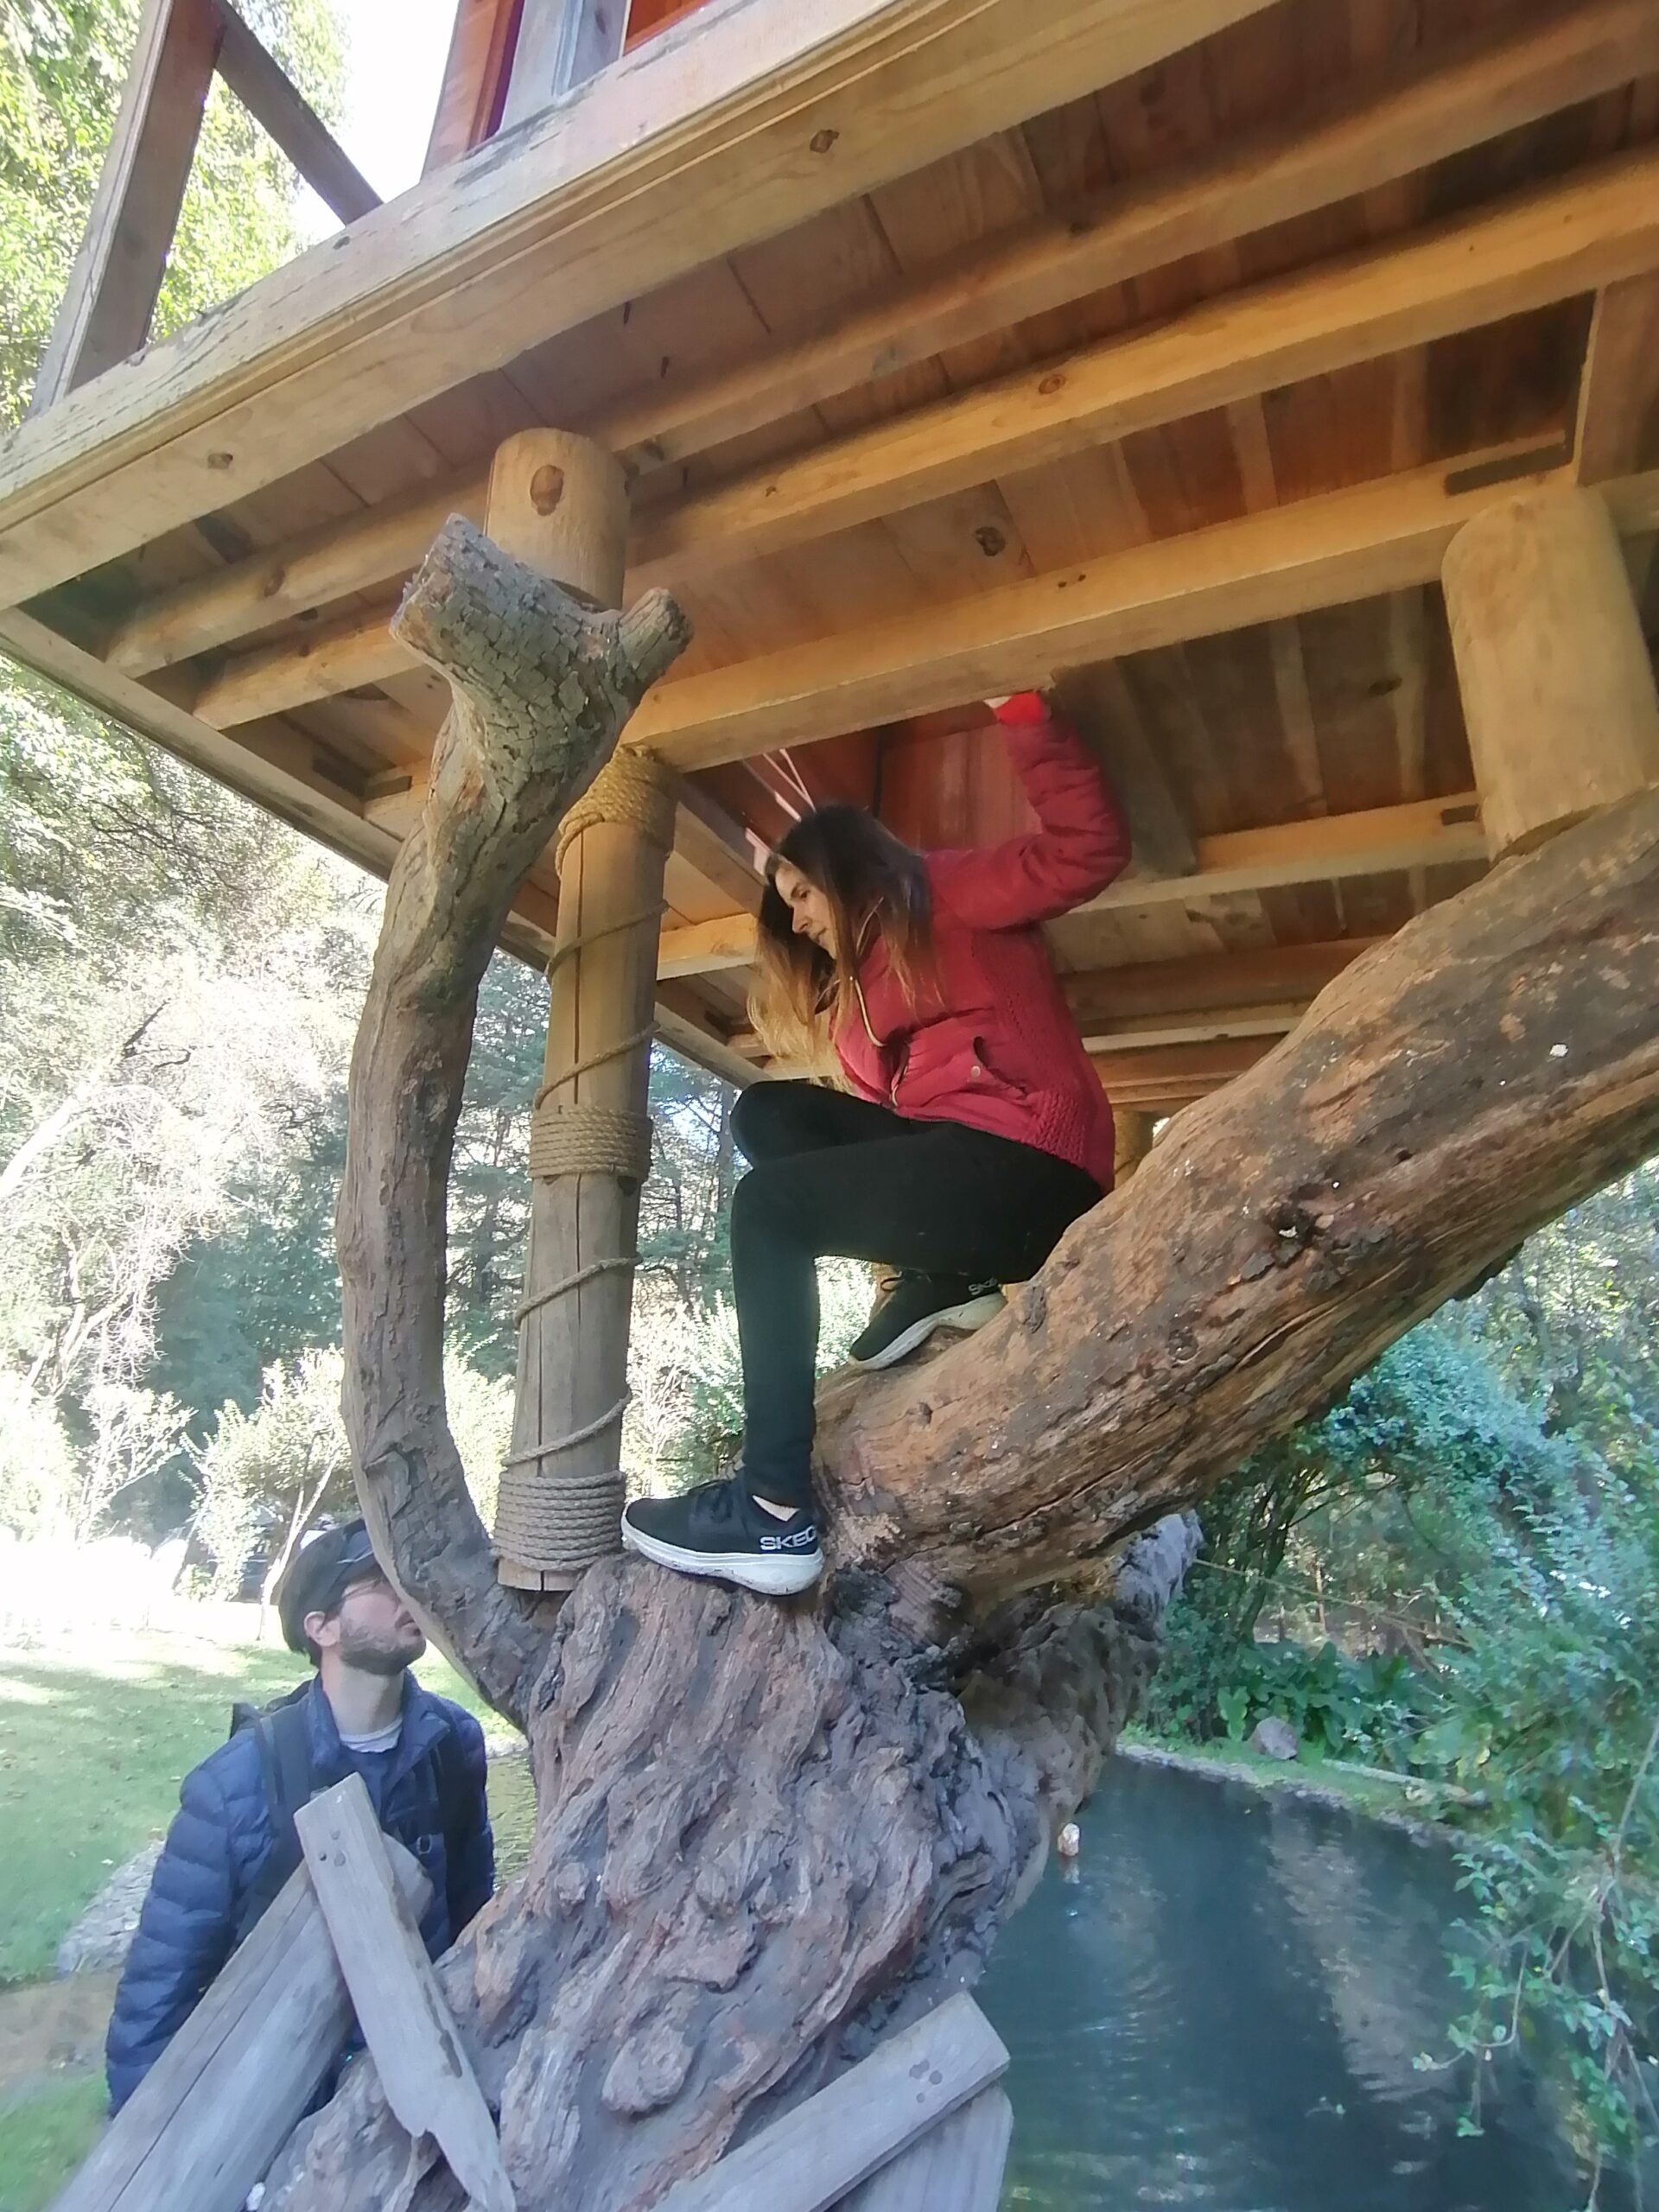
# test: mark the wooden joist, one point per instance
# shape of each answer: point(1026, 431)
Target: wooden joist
point(1592, 229)
point(1216, 982)
point(1359, 543)
point(741, 122)
point(1543, 246)
point(1332, 847)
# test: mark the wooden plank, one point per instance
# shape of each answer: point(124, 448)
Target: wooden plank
point(117, 272)
point(1357, 544)
point(1147, 1033)
point(1379, 840)
point(561, 43)
point(1539, 247)
point(740, 123)
point(1217, 981)
point(1175, 1067)
point(275, 102)
point(331, 658)
point(1618, 389)
point(706, 948)
point(1386, 127)
point(207, 2120)
point(809, 2159)
point(1352, 544)
point(381, 546)
point(955, 2167)
point(425, 2074)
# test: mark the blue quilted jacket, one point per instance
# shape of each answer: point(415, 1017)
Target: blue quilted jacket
point(221, 1836)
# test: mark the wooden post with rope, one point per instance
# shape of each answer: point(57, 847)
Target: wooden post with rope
point(559, 504)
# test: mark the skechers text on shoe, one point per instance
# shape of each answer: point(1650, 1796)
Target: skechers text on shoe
point(717, 1531)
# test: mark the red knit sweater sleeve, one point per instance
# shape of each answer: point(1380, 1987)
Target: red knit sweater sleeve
point(1081, 843)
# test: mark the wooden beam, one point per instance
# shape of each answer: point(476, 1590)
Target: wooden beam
point(276, 102)
point(1351, 544)
point(1461, 94)
point(331, 658)
point(1377, 840)
point(1170, 1068)
point(381, 546)
point(1217, 981)
point(1538, 248)
point(1345, 545)
point(561, 43)
point(117, 272)
point(741, 122)
point(1544, 245)
point(1148, 1033)
point(707, 947)
point(1618, 388)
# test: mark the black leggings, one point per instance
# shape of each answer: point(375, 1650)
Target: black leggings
point(833, 1175)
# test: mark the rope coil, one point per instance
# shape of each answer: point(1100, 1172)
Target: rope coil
point(630, 788)
point(547, 1517)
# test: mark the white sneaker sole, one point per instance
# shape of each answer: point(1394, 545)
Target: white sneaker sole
point(972, 1313)
point(770, 1574)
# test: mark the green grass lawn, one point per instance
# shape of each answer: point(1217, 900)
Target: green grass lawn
point(96, 1733)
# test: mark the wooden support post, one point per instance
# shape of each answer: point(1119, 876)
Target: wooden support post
point(1558, 687)
point(1133, 1132)
point(117, 273)
point(559, 504)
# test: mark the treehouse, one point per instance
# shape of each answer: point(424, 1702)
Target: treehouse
point(1275, 385)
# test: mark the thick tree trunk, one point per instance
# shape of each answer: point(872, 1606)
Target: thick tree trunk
point(765, 1831)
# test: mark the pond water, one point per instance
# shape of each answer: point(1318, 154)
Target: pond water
point(1222, 2008)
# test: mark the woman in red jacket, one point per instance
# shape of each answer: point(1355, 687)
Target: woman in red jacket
point(970, 1133)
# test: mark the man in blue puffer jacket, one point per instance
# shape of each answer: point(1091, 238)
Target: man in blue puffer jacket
point(232, 1844)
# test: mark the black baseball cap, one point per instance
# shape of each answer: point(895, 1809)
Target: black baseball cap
point(318, 1575)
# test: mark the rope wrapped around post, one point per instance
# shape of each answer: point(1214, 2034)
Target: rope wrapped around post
point(548, 1517)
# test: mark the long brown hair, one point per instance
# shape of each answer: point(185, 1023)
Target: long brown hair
point(873, 881)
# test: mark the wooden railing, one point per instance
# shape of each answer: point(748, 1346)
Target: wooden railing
point(107, 309)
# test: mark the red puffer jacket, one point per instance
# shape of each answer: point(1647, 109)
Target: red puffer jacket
point(996, 1048)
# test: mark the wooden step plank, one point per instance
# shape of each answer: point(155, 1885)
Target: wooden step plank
point(955, 2167)
point(427, 2079)
point(206, 2121)
point(808, 2160)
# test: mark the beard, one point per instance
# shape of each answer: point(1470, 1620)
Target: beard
point(384, 1651)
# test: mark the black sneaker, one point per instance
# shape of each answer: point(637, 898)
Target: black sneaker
point(718, 1531)
point(915, 1306)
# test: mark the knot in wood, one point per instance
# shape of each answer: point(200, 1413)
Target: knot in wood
point(547, 488)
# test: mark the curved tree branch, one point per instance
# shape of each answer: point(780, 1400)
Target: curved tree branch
point(542, 687)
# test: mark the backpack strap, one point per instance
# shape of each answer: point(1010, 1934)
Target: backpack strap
point(283, 1735)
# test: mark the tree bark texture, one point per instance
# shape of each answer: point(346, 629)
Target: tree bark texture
point(767, 1833)
point(540, 689)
